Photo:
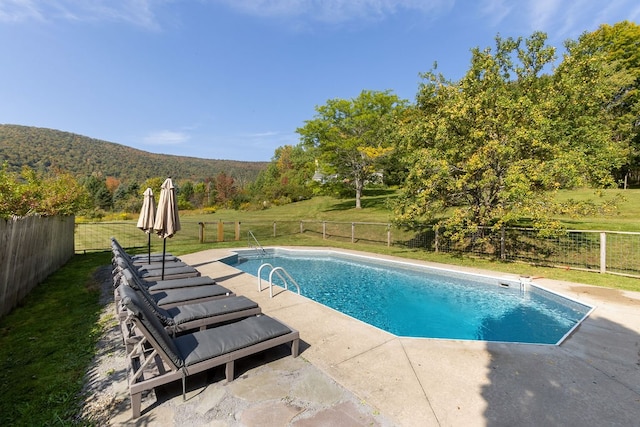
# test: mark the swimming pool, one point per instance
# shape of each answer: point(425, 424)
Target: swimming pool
point(417, 301)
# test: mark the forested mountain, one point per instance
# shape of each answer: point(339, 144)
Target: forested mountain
point(43, 149)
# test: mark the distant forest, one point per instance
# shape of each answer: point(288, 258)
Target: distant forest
point(48, 149)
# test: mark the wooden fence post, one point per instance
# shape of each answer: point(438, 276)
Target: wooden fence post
point(353, 232)
point(220, 231)
point(237, 230)
point(388, 235)
point(201, 232)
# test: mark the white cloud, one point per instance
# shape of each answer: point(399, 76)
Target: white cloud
point(334, 11)
point(135, 12)
point(544, 12)
point(19, 10)
point(495, 10)
point(166, 137)
point(560, 19)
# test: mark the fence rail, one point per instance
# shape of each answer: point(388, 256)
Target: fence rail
point(601, 251)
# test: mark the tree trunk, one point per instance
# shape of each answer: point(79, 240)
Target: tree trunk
point(358, 193)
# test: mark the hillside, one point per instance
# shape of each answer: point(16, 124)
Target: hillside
point(43, 149)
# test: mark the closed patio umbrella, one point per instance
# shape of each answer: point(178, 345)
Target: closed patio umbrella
point(167, 221)
point(147, 217)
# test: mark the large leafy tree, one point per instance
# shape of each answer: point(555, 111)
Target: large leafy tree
point(287, 177)
point(618, 46)
point(488, 149)
point(349, 136)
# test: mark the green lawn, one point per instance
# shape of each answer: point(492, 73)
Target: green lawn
point(46, 345)
point(625, 218)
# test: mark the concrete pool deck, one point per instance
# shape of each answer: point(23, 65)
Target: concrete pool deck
point(593, 378)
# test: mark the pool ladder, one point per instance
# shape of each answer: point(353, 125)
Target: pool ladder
point(254, 244)
point(278, 271)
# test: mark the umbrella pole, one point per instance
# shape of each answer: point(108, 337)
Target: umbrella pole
point(164, 250)
point(149, 246)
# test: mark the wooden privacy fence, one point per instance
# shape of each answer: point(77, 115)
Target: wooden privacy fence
point(31, 248)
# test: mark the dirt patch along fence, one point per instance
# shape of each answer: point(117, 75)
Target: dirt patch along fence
point(31, 248)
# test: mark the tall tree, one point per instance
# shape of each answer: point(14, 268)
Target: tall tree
point(286, 178)
point(99, 192)
point(225, 188)
point(614, 49)
point(349, 135)
point(490, 148)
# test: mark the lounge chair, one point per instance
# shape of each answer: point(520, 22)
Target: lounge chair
point(154, 264)
point(160, 285)
point(143, 258)
point(193, 316)
point(155, 261)
point(178, 271)
point(178, 358)
point(174, 297)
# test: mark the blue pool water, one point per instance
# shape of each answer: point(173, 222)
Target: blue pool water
point(416, 301)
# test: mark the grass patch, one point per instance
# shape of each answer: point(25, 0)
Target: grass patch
point(46, 345)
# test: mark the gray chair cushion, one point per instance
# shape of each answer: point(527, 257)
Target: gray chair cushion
point(202, 345)
point(188, 313)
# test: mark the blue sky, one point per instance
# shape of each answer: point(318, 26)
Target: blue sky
point(234, 79)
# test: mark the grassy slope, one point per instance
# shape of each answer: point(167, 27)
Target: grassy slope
point(376, 208)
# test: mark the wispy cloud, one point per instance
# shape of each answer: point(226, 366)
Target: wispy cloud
point(134, 12)
point(142, 12)
point(544, 13)
point(334, 11)
point(166, 137)
point(562, 19)
point(495, 10)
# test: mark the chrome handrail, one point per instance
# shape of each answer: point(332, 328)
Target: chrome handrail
point(257, 245)
point(281, 273)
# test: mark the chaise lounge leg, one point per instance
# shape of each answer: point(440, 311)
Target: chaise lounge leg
point(295, 347)
point(229, 370)
point(136, 404)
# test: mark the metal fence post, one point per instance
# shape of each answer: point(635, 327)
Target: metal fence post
point(436, 240)
point(603, 252)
